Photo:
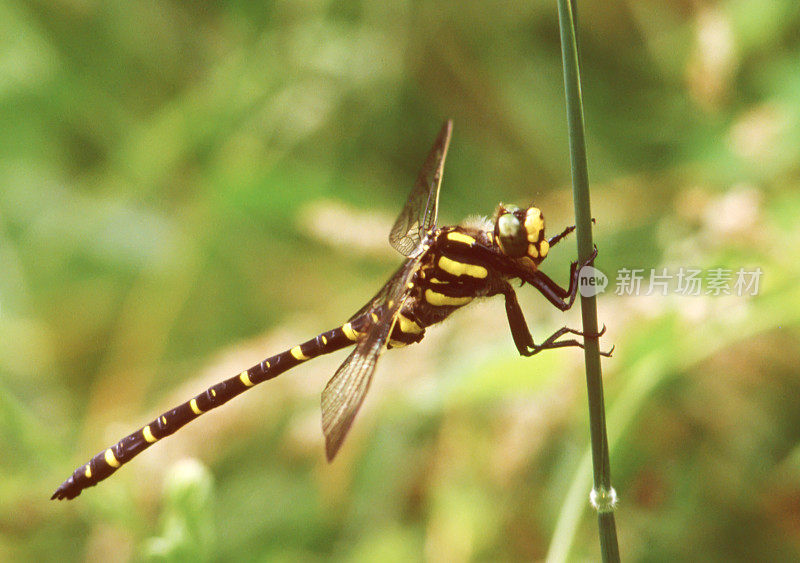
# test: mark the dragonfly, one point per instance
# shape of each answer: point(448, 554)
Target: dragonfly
point(445, 268)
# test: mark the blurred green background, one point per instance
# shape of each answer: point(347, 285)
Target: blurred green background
point(187, 188)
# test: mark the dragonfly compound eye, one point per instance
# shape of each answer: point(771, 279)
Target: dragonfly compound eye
point(511, 235)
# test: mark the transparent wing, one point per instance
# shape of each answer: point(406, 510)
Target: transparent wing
point(419, 213)
point(397, 281)
point(345, 392)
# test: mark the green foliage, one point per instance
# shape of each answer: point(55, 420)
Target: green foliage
point(187, 189)
point(187, 518)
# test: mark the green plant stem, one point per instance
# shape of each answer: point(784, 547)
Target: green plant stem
point(583, 222)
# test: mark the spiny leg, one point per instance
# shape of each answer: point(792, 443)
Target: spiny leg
point(556, 239)
point(554, 342)
point(521, 334)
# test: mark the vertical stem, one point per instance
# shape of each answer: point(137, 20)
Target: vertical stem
point(602, 494)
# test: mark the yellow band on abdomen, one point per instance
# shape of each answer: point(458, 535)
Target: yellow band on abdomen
point(244, 377)
point(298, 354)
point(148, 435)
point(349, 332)
point(110, 459)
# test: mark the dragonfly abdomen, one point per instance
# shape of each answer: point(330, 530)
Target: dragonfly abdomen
point(109, 460)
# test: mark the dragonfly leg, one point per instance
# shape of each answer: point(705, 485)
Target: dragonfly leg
point(554, 293)
point(553, 342)
point(521, 334)
point(552, 241)
point(516, 321)
point(556, 239)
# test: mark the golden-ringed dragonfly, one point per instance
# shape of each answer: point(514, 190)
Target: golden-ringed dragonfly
point(445, 268)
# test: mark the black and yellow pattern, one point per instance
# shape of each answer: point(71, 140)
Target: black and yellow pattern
point(446, 268)
point(108, 461)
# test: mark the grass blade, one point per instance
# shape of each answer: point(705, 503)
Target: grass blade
point(603, 496)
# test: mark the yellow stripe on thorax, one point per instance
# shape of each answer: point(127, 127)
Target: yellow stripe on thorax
point(462, 269)
point(408, 326)
point(455, 236)
point(441, 300)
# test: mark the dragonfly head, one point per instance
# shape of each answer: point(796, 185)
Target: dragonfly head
point(520, 232)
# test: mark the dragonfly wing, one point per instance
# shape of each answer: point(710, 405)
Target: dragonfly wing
point(397, 281)
point(345, 392)
point(419, 213)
